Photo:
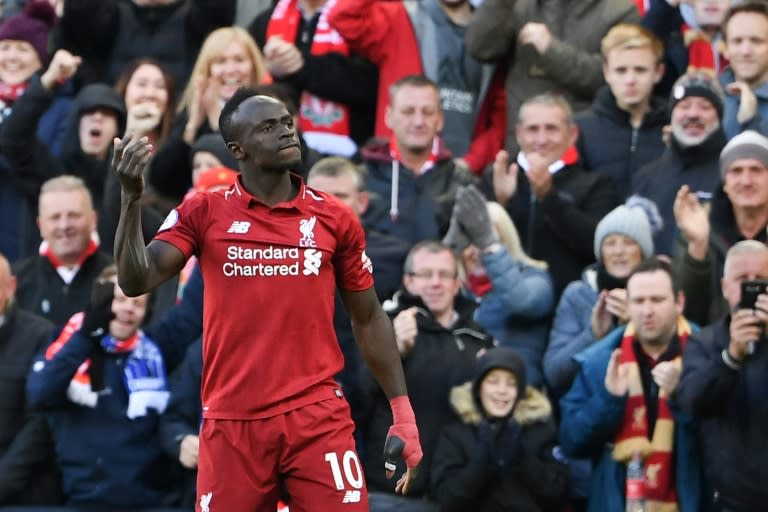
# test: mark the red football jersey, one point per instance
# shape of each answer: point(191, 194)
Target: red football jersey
point(270, 274)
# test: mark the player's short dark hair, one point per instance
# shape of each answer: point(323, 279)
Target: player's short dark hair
point(280, 92)
point(656, 264)
point(225, 118)
point(750, 6)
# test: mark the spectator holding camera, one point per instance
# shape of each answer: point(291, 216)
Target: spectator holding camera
point(497, 455)
point(725, 375)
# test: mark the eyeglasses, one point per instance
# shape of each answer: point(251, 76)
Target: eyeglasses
point(443, 275)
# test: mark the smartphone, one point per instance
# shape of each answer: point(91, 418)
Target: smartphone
point(750, 289)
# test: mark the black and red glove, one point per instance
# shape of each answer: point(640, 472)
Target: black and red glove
point(95, 326)
point(403, 436)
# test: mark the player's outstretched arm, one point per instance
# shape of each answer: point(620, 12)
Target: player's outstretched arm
point(376, 339)
point(140, 268)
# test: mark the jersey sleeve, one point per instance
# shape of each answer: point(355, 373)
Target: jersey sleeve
point(354, 270)
point(182, 226)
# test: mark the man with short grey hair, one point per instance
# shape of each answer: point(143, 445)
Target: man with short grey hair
point(725, 374)
point(56, 283)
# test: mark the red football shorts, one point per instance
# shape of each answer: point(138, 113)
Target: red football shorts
point(311, 450)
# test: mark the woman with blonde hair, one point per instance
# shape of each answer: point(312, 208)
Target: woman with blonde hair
point(229, 59)
point(515, 294)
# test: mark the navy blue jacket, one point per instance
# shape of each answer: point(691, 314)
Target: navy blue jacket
point(106, 458)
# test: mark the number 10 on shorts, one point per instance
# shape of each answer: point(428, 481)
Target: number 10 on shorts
point(352, 473)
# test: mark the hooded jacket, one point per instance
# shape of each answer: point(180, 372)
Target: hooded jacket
point(461, 482)
point(423, 202)
point(440, 359)
point(608, 143)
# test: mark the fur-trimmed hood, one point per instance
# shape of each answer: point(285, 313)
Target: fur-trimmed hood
point(533, 407)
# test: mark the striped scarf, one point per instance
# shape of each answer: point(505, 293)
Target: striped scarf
point(143, 371)
point(633, 435)
point(319, 119)
point(701, 53)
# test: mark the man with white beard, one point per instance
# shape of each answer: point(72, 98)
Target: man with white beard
point(691, 158)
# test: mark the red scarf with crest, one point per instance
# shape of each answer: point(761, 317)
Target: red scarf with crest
point(315, 114)
point(656, 449)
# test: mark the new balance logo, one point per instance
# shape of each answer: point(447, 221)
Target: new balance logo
point(312, 261)
point(351, 497)
point(240, 227)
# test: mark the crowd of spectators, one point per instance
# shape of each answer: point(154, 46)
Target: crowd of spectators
point(565, 204)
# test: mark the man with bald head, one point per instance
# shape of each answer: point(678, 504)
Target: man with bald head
point(26, 455)
point(272, 253)
point(56, 283)
point(725, 375)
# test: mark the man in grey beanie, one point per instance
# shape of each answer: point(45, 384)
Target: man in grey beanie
point(739, 211)
point(696, 105)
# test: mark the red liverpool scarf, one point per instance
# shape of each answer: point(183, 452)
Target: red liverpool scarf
point(633, 435)
point(315, 114)
point(701, 56)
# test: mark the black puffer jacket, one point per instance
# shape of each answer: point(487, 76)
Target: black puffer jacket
point(534, 483)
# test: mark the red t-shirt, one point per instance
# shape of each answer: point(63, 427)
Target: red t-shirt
point(270, 274)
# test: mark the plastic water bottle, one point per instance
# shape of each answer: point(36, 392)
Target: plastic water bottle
point(635, 484)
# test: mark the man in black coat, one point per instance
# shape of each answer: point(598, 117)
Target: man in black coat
point(725, 374)
point(554, 203)
point(28, 474)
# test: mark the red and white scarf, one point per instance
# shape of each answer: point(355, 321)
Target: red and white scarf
point(701, 53)
point(324, 123)
point(633, 435)
point(68, 272)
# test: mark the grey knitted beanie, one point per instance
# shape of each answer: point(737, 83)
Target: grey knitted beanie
point(748, 144)
point(637, 219)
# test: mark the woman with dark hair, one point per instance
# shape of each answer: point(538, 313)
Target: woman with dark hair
point(149, 94)
point(498, 455)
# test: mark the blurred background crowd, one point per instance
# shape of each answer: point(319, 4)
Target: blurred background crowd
point(565, 204)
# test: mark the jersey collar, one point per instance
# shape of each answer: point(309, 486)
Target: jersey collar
point(300, 202)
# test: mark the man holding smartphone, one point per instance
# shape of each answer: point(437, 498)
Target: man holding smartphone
point(725, 375)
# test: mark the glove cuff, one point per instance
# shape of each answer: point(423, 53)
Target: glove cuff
point(402, 412)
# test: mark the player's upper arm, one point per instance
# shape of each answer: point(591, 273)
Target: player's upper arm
point(165, 261)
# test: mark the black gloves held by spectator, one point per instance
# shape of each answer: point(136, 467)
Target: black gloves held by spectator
point(95, 326)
